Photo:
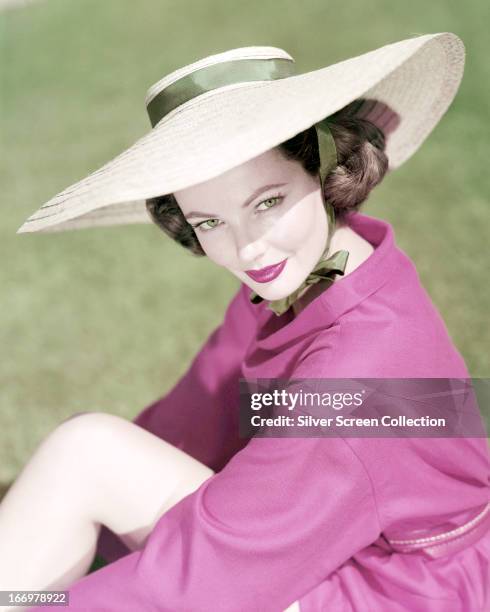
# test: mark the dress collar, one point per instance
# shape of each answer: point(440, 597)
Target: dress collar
point(345, 294)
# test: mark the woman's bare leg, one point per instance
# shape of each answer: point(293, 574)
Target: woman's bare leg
point(96, 468)
point(92, 469)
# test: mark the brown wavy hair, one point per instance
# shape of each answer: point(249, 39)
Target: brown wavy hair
point(362, 164)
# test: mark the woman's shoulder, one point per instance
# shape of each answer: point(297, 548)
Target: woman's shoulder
point(376, 340)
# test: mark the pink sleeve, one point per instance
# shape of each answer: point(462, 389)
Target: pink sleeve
point(200, 414)
point(260, 534)
point(263, 532)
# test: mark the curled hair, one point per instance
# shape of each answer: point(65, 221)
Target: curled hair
point(362, 164)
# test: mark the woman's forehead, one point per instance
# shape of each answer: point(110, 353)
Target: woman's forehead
point(269, 168)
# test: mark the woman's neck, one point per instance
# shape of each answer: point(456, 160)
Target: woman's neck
point(344, 238)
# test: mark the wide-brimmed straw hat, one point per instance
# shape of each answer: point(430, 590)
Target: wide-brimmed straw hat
point(226, 109)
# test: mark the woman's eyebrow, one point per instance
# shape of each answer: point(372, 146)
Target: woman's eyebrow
point(255, 194)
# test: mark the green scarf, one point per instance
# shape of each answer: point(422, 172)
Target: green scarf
point(325, 269)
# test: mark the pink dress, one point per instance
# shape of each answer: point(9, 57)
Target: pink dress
point(309, 519)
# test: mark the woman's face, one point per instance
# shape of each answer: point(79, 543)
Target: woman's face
point(266, 212)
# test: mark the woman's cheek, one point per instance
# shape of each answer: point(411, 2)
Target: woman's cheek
point(217, 250)
point(293, 228)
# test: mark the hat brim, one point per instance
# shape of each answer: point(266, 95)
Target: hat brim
point(416, 78)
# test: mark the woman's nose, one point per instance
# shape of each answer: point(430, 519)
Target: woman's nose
point(249, 248)
point(252, 251)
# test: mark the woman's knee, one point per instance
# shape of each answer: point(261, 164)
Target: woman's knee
point(92, 420)
point(83, 433)
point(76, 414)
point(84, 451)
point(133, 476)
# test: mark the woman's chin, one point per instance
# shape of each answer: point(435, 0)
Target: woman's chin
point(273, 290)
point(272, 293)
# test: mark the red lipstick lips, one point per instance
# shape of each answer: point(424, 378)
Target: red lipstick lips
point(265, 275)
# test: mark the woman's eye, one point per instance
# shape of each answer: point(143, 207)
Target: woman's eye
point(207, 225)
point(269, 203)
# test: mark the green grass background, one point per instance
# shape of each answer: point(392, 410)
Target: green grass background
point(108, 318)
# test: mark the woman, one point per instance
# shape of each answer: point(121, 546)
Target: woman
point(212, 521)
